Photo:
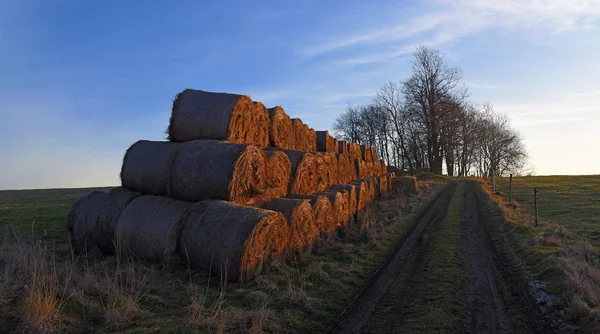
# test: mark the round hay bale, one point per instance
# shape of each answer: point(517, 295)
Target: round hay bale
point(355, 152)
point(334, 145)
point(326, 143)
point(321, 172)
point(219, 170)
point(304, 172)
point(198, 114)
point(383, 183)
point(147, 165)
point(281, 132)
point(346, 171)
point(323, 212)
point(375, 156)
point(340, 206)
point(262, 122)
point(149, 227)
point(322, 141)
point(362, 169)
point(300, 135)
point(351, 193)
point(408, 185)
point(365, 151)
point(279, 172)
point(331, 163)
point(327, 170)
point(389, 180)
point(362, 193)
point(229, 240)
point(300, 219)
point(92, 219)
point(376, 186)
point(312, 140)
point(343, 147)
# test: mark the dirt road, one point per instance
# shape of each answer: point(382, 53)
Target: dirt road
point(449, 274)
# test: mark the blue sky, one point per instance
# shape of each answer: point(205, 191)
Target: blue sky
point(80, 81)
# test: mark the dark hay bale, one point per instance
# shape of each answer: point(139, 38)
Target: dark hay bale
point(149, 226)
point(362, 193)
point(281, 132)
point(389, 178)
point(326, 143)
point(366, 152)
point(351, 193)
point(407, 185)
point(322, 141)
point(304, 172)
point(219, 170)
point(340, 206)
point(147, 166)
point(323, 212)
point(92, 219)
point(343, 147)
point(279, 172)
point(376, 186)
point(300, 219)
point(198, 114)
point(260, 133)
point(231, 241)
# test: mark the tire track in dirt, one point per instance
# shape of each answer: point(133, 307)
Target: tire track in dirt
point(400, 265)
point(484, 299)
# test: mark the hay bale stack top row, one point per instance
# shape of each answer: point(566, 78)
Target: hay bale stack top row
point(198, 115)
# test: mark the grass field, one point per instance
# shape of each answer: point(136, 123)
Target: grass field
point(571, 201)
point(43, 288)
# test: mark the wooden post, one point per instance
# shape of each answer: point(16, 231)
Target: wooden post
point(493, 182)
point(510, 190)
point(535, 204)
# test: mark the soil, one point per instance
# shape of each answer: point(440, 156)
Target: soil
point(494, 296)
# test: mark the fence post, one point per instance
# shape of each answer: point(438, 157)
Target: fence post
point(510, 190)
point(535, 203)
point(493, 182)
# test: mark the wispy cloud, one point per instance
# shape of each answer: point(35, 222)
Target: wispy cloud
point(445, 21)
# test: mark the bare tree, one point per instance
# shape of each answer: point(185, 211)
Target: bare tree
point(433, 82)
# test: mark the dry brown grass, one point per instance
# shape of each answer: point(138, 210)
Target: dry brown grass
point(551, 248)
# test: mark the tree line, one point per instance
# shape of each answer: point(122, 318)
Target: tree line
point(427, 122)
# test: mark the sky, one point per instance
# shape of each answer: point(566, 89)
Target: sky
point(80, 81)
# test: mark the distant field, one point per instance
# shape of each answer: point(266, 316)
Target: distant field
point(44, 210)
point(572, 201)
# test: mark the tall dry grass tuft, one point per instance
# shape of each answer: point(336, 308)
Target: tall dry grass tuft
point(32, 278)
point(123, 289)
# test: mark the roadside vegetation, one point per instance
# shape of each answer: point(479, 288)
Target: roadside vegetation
point(562, 267)
point(43, 288)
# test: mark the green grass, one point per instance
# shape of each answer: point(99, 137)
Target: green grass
point(40, 212)
point(431, 299)
point(570, 201)
point(109, 295)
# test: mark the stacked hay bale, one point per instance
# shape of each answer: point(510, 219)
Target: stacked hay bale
point(281, 130)
point(236, 185)
point(198, 114)
point(326, 143)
